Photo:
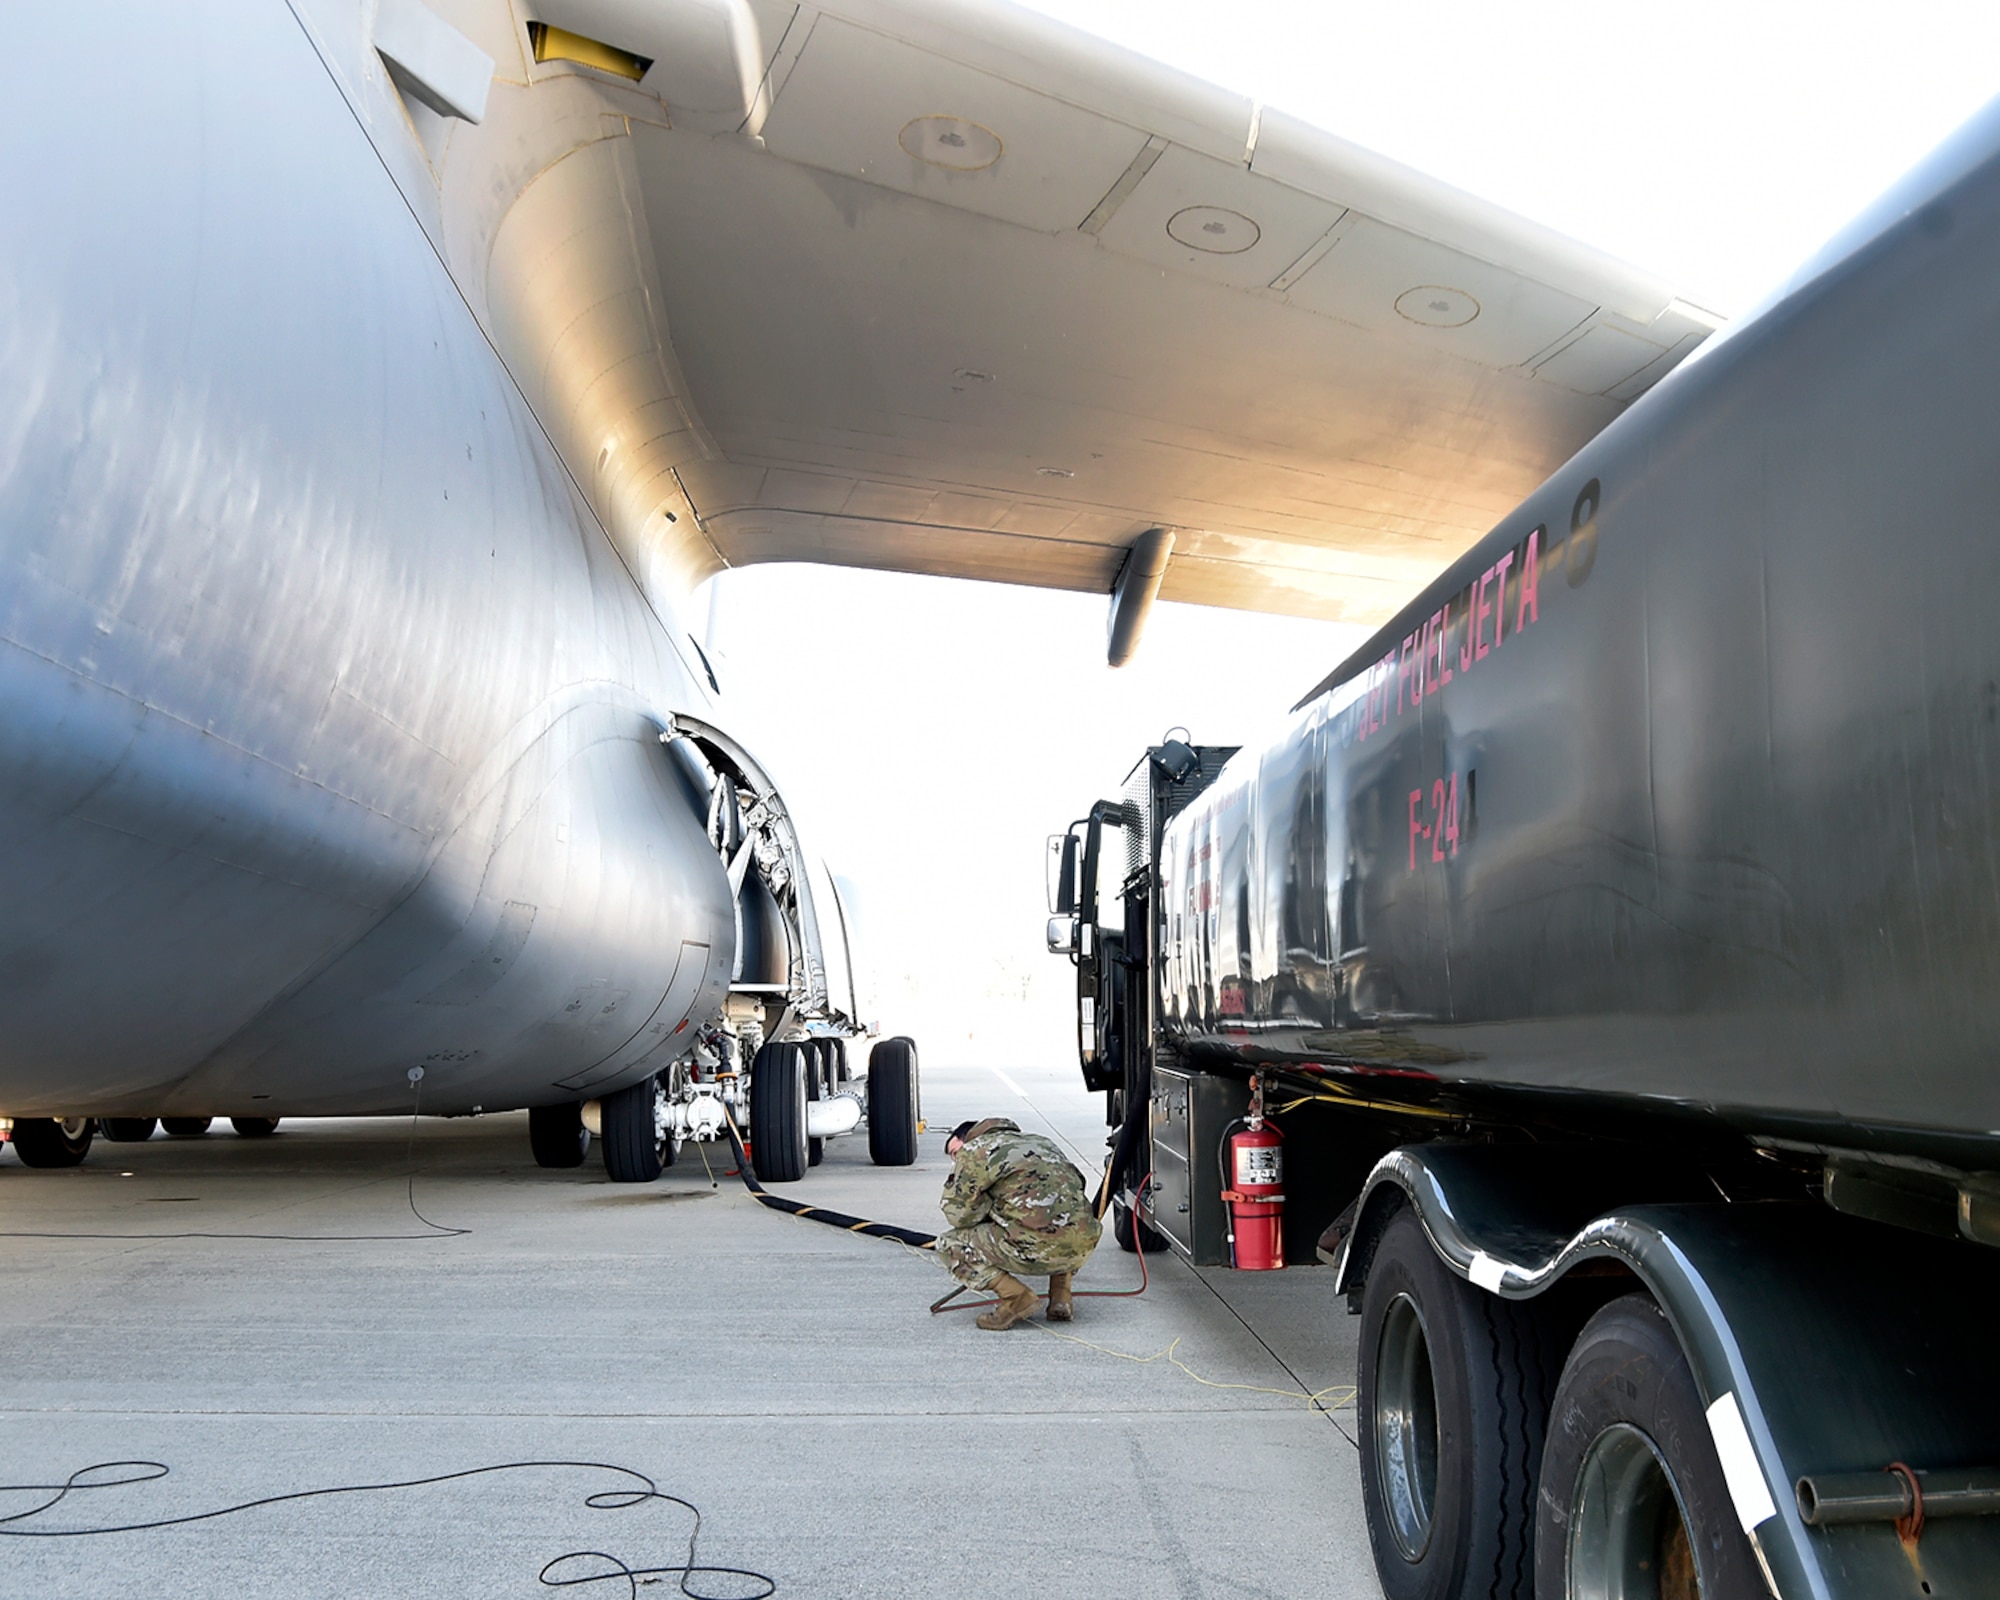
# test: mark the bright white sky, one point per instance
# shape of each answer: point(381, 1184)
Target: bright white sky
point(1716, 142)
point(930, 733)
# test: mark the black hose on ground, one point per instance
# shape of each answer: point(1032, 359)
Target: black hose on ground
point(833, 1219)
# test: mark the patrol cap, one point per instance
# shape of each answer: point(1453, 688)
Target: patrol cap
point(963, 1130)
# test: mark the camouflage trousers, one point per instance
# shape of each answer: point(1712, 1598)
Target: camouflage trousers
point(979, 1254)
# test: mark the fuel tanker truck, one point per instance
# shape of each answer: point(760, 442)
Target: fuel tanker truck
point(1601, 977)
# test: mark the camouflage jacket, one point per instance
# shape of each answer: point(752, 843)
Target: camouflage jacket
point(1023, 1183)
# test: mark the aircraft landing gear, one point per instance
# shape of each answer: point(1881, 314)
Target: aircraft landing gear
point(894, 1108)
point(638, 1143)
point(557, 1135)
point(127, 1130)
point(778, 1144)
point(185, 1127)
point(254, 1127)
point(52, 1142)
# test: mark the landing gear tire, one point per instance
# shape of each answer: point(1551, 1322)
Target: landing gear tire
point(254, 1127)
point(127, 1130)
point(895, 1103)
point(1454, 1404)
point(778, 1113)
point(819, 1086)
point(186, 1127)
point(52, 1142)
point(637, 1146)
point(1133, 1235)
point(557, 1135)
point(1633, 1499)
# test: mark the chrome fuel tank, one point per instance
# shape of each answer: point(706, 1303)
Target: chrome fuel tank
point(1682, 787)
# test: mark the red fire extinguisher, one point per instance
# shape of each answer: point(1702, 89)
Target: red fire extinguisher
point(1255, 1159)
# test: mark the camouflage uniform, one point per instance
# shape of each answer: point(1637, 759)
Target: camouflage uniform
point(1015, 1205)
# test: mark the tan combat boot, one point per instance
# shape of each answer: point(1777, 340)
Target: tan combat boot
point(1017, 1301)
point(1060, 1308)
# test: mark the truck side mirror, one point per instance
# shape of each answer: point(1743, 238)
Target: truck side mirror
point(1062, 936)
point(1066, 878)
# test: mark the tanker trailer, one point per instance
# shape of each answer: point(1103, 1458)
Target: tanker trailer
point(1614, 941)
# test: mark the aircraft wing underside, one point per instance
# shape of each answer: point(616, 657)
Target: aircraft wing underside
point(951, 288)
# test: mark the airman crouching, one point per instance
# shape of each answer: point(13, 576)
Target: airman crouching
point(1015, 1205)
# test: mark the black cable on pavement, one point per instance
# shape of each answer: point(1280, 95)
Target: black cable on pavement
point(124, 1474)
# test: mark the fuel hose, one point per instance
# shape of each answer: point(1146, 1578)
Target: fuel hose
point(833, 1219)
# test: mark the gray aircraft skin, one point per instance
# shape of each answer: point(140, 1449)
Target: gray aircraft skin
point(330, 744)
point(1678, 792)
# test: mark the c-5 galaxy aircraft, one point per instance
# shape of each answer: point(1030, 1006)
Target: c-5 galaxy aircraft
point(383, 379)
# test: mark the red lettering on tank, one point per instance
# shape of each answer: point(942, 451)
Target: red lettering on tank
point(1403, 670)
point(1531, 571)
point(1500, 583)
point(1438, 823)
point(1444, 634)
point(1480, 610)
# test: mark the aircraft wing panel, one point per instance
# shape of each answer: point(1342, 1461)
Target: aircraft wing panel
point(965, 291)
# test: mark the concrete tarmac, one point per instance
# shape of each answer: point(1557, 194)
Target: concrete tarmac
point(785, 1378)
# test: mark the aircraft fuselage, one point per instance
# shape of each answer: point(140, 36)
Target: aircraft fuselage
point(329, 717)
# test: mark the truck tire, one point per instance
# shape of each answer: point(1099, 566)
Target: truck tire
point(1133, 1235)
point(185, 1127)
point(127, 1130)
point(636, 1148)
point(778, 1113)
point(49, 1142)
point(254, 1127)
point(1631, 1485)
point(557, 1135)
point(1454, 1403)
point(895, 1103)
